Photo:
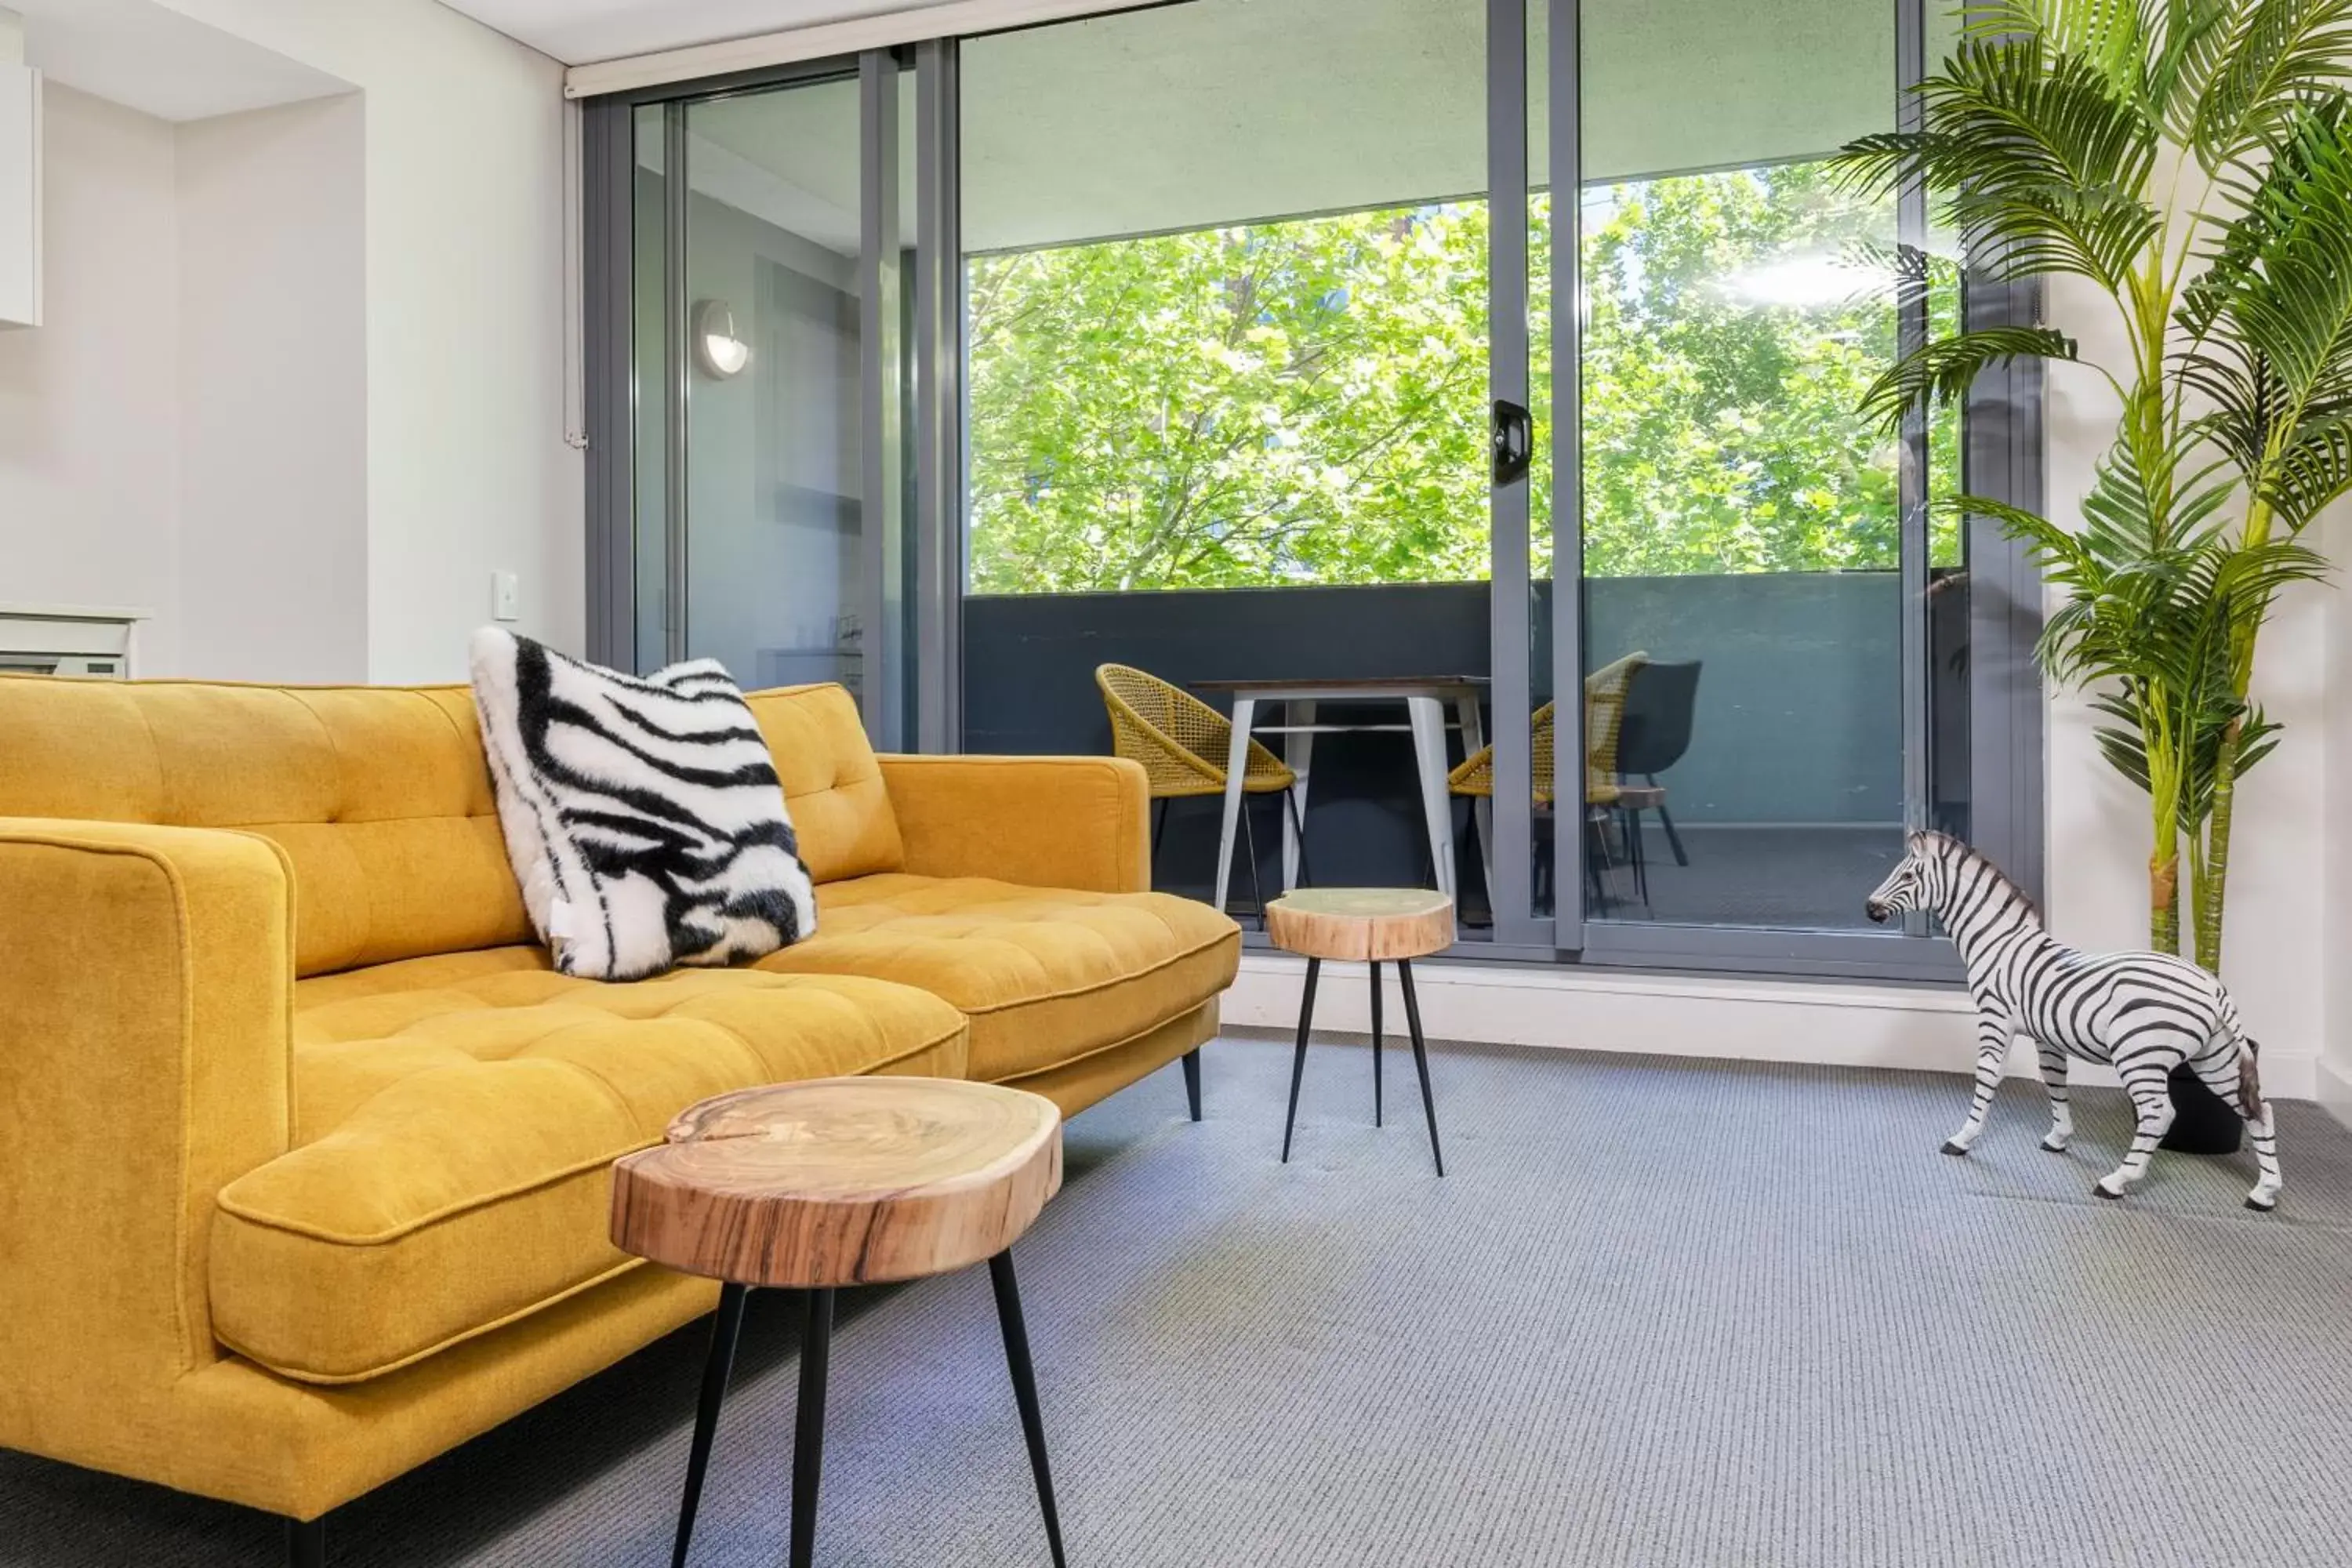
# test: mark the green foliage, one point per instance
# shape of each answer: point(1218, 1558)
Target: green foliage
point(1306, 401)
point(2055, 140)
point(1231, 406)
point(1733, 322)
point(2269, 323)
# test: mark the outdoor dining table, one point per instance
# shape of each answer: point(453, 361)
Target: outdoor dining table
point(1425, 697)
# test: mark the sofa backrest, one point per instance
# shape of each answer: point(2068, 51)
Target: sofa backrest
point(379, 796)
point(833, 781)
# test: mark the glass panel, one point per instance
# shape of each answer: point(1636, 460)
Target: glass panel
point(1948, 589)
point(649, 273)
point(903, 656)
point(1228, 373)
point(1948, 754)
point(775, 552)
point(1742, 600)
point(1540, 554)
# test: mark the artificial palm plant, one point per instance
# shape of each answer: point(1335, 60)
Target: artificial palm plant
point(2192, 160)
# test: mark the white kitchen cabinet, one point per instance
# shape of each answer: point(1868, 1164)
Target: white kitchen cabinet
point(20, 196)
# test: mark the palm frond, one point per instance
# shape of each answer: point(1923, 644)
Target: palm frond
point(2314, 470)
point(2278, 57)
point(2039, 118)
point(1941, 371)
point(2110, 33)
point(2244, 396)
point(2268, 323)
point(2125, 749)
point(2281, 275)
point(2193, 37)
point(2038, 159)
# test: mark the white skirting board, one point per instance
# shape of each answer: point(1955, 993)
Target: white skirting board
point(1921, 1028)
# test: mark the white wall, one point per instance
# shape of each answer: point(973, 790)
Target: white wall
point(302, 389)
point(273, 372)
point(88, 412)
point(467, 470)
point(447, 169)
point(2330, 867)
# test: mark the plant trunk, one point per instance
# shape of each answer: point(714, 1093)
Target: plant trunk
point(2212, 888)
point(2213, 885)
point(2164, 901)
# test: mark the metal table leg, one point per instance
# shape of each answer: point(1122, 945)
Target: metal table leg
point(1482, 807)
point(1025, 1391)
point(1419, 1059)
point(1237, 763)
point(1299, 1062)
point(726, 1327)
point(1299, 751)
point(808, 1427)
point(1427, 719)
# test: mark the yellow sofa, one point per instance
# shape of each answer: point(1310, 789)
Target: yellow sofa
point(304, 1171)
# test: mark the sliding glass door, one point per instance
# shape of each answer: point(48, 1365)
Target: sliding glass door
point(1242, 332)
point(1513, 347)
point(1771, 619)
point(1746, 530)
point(768, 301)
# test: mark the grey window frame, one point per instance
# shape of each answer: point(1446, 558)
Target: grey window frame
point(607, 200)
point(2002, 457)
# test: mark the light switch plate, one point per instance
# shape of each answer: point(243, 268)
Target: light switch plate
point(506, 596)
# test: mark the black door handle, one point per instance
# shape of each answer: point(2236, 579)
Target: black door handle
point(1514, 441)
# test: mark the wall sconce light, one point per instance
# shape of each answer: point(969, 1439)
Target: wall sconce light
point(717, 349)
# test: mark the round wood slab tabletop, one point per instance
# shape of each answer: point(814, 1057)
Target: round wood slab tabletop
point(1354, 924)
point(841, 1181)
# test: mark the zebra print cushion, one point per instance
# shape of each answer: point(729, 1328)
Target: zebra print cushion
point(643, 813)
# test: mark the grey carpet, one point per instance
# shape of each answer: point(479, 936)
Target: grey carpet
point(1661, 1312)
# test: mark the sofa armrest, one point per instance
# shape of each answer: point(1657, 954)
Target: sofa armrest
point(146, 994)
point(1042, 821)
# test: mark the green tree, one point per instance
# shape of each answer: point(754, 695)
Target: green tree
point(1306, 401)
point(1285, 402)
point(1732, 318)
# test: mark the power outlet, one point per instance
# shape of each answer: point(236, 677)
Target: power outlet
point(506, 596)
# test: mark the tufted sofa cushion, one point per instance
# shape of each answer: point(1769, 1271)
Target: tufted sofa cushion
point(832, 779)
point(455, 1118)
point(380, 796)
point(1047, 975)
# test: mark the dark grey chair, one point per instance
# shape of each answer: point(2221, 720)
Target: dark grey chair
point(1652, 736)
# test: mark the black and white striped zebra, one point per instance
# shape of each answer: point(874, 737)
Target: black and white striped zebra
point(2143, 1012)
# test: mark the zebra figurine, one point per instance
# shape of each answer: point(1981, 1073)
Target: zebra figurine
point(2143, 1012)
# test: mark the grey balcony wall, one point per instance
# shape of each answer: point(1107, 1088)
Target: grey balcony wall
point(1799, 714)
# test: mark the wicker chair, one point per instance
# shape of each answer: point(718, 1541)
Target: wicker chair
point(1604, 710)
point(1182, 744)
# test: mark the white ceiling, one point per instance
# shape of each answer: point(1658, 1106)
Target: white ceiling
point(1229, 111)
point(579, 31)
point(159, 61)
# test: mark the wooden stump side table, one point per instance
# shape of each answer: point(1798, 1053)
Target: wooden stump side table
point(1363, 925)
point(834, 1182)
